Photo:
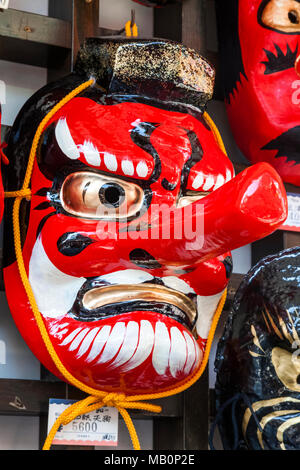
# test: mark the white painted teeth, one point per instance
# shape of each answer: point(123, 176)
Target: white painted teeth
point(113, 343)
point(144, 348)
point(76, 342)
point(65, 139)
point(177, 352)
point(161, 350)
point(98, 343)
point(87, 342)
point(128, 346)
point(70, 337)
point(191, 353)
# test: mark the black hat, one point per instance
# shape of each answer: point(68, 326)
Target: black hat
point(154, 68)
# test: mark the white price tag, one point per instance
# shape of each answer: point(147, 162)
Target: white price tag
point(98, 428)
point(293, 220)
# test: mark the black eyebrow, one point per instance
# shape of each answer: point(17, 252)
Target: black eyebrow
point(140, 136)
point(195, 157)
point(281, 61)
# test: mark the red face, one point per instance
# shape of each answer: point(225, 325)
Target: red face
point(128, 306)
point(264, 109)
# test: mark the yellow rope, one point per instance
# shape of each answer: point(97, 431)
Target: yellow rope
point(131, 29)
point(96, 398)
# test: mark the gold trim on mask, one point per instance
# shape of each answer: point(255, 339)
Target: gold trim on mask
point(284, 426)
point(100, 296)
point(264, 404)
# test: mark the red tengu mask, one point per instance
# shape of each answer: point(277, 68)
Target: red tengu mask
point(133, 212)
point(259, 45)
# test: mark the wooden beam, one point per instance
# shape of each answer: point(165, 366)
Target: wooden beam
point(85, 22)
point(31, 398)
point(35, 28)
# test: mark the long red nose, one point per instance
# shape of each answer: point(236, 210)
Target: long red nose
point(249, 207)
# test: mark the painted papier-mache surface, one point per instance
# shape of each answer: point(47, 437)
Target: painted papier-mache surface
point(258, 363)
point(259, 47)
point(134, 211)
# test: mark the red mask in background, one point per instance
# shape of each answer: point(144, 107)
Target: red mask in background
point(126, 300)
point(259, 45)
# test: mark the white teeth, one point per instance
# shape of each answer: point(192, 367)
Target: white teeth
point(127, 167)
point(87, 342)
point(161, 350)
point(178, 284)
point(99, 343)
point(178, 352)
point(76, 342)
point(142, 169)
point(65, 140)
point(71, 336)
point(198, 181)
point(144, 348)
point(220, 181)
point(127, 276)
point(129, 345)
point(228, 175)
point(60, 334)
point(113, 344)
point(208, 184)
point(110, 161)
point(91, 153)
point(191, 352)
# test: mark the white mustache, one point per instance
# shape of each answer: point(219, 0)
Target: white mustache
point(126, 347)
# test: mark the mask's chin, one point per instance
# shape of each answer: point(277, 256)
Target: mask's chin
point(114, 336)
point(134, 352)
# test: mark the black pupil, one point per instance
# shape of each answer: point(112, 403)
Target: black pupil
point(111, 194)
point(293, 17)
point(298, 379)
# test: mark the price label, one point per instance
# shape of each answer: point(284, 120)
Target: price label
point(293, 221)
point(98, 428)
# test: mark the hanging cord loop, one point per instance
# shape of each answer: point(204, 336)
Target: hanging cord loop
point(233, 401)
point(96, 398)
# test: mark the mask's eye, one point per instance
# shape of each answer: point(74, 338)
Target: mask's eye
point(89, 195)
point(281, 15)
point(287, 368)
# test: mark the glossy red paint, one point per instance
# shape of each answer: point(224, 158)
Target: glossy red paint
point(133, 348)
point(263, 104)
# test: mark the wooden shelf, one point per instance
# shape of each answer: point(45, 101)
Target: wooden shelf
point(33, 39)
point(31, 397)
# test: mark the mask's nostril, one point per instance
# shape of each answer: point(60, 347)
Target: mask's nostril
point(143, 259)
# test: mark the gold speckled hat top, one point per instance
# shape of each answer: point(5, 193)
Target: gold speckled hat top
point(153, 68)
